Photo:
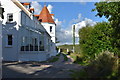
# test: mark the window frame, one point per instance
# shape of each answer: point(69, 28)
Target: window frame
point(8, 17)
point(7, 40)
point(51, 27)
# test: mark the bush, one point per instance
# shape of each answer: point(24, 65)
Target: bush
point(81, 60)
point(97, 38)
point(104, 66)
point(54, 59)
point(79, 74)
point(65, 57)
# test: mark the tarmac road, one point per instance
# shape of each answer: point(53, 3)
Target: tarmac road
point(58, 69)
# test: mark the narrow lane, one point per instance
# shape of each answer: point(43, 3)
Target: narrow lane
point(58, 69)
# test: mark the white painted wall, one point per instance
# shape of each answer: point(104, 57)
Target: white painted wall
point(10, 7)
point(24, 26)
point(10, 53)
point(0, 39)
point(51, 44)
point(0, 48)
point(47, 27)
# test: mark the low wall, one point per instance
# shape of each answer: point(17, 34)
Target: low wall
point(33, 56)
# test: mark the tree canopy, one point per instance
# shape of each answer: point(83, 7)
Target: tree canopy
point(111, 10)
point(95, 39)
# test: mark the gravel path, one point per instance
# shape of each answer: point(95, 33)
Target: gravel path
point(58, 69)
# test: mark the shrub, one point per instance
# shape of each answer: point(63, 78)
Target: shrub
point(104, 66)
point(97, 38)
point(54, 59)
point(65, 57)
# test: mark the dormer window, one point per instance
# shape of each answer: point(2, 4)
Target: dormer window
point(50, 28)
point(10, 17)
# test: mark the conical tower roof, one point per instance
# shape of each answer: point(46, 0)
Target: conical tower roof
point(45, 16)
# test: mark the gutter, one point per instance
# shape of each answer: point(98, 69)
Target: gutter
point(22, 7)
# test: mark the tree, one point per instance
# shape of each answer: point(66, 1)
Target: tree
point(84, 39)
point(111, 10)
point(95, 39)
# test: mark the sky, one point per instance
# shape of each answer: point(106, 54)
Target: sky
point(68, 14)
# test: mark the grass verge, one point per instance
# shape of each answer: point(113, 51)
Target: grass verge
point(103, 66)
point(65, 57)
point(55, 58)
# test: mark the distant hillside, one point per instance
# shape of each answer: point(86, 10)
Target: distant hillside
point(70, 47)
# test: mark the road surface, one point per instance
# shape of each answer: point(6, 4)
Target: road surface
point(58, 69)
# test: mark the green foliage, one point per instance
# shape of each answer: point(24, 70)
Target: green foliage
point(111, 10)
point(108, 9)
point(96, 39)
point(58, 54)
point(104, 66)
point(70, 47)
point(74, 56)
point(79, 74)
point(54, 59)
point(82, 60)
point(65, 57)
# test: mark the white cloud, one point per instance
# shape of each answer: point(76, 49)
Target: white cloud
point(65, 35)
point(83, 23)
point(50, 7)
point(79, 18)
point(25, 0)
point(36, 6)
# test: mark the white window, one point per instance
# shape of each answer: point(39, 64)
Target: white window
point(10, 17)
point(9, 40)
point(50, 28)
point(23, 44)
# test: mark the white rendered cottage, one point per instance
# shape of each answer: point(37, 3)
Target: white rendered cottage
point(24, 37)
point(1, 18)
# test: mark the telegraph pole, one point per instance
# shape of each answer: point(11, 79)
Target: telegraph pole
point(73, 38)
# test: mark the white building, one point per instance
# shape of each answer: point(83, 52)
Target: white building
point(1, 19)
point(46, 20)
point(24, 37)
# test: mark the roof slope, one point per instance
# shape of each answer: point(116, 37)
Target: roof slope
point(45, 16)
point(16, 2)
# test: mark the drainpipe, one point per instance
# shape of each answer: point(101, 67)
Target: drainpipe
point(18, 37)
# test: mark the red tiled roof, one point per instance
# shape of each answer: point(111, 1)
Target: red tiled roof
point(36, 15)
point(32, 9)
point(25, 3)
point(52, 14)
point(45, 16)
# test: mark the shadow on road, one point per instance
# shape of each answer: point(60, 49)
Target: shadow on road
point(59, 69)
